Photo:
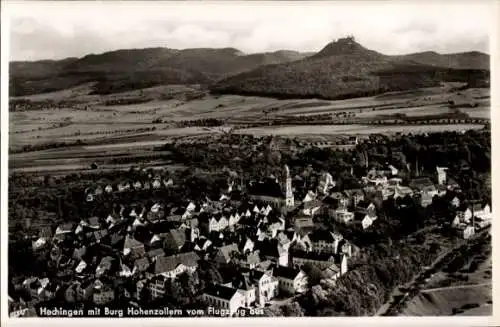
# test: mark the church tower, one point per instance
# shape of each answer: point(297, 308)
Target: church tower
point(290, 202)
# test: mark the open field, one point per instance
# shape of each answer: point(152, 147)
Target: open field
point(114, 131)
point(352, 129)
point(463, 287)
point(448, 301)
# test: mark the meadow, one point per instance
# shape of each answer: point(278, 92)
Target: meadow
point(103, 125)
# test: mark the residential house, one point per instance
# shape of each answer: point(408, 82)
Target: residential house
point(466, 231)
point(266, 285)
point(480, 211)
point(441, 175)
point(70, 294)
point(168, 182)
point(320, 260)
point(81, 267)
point(33, 285)
point(141, 265)
point(105, 267)
point(156, 286)
point(342, 215)
point(202, 244)
point(48, 291)
point(335, 270)
point(79, 252)
point(85, 290)
point(225, 253)
point(271, 249)
point(354, 196)
point(174, 265)
point(442, 189)
point(103, 293)
point(275, 225)
point(462, 217)
point(242, 283)
point(97, 236)
point(137, 185)
point(44, 236)
point(425, 188)
point(341, 198)
point(250, 260)
point(367, 221)
point(133, 248)
point(156, 183)
point(154, 254)
point(234, 219)
point(310, 196)
point(311, 207)
point(323, 241)
point(367, 208)
point(455, 202)
point(63, 231)
point(174, 240)
point(347, 248)
point(248, 245)
point(218, 223)
point(108, 189)
point(223, 297)
point(291, 280)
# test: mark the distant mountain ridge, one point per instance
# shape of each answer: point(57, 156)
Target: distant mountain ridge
point(341, 68)
point(124, 70)
point(344, 69)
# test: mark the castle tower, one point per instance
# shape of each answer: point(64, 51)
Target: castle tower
point(290, 201)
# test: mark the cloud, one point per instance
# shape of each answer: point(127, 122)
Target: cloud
point(58, 30)
point(417, 26)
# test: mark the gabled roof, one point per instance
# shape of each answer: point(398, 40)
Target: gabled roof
point(142, 264)
point(178, 236)
point(155, 252)
point(312, 204)
point(94, 221)
point(421, 182)
point(131, 243)
point(226, 250)
point(319, 235)
point(313, 255)
point(286, 272)
point(353, 192)
point(364, 204)
point(253, 258)
point(164, 264)
point(222, 292)
point(477, 207)
point(66, 227)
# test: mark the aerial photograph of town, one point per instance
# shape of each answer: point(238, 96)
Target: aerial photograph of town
point(242, 160)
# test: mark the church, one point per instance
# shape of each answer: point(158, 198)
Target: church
point(278, 193)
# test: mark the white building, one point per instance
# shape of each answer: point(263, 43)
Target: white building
point(223, 297)
point(291, 281)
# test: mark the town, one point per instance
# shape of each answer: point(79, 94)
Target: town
point(252, 238)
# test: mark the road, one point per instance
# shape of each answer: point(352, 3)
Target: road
point(429, 290)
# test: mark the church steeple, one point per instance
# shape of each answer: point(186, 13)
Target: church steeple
point(290, 201)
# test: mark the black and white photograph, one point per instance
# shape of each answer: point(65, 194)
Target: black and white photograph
point(198, 159)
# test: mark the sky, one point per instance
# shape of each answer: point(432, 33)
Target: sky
point(50, 30)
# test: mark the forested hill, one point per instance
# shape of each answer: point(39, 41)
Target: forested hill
point(344, 69)
point(124, 70)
